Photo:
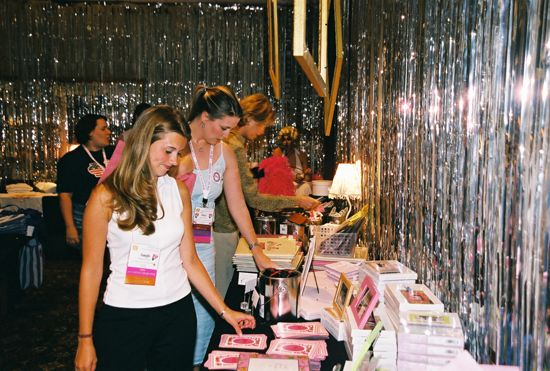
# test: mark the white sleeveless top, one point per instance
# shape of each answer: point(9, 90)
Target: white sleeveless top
point(171, 281)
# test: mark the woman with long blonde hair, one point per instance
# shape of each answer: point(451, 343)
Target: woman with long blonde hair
point(148, 318)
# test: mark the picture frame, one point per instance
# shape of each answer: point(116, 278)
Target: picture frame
point(342, 296)
point(364, 302)
point(316, 72)
point(307, 265)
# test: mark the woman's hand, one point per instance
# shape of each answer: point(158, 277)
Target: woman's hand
point(239, 320)
point(71, 236)
point(262, 260)
point(86, 359)
point(307, 203)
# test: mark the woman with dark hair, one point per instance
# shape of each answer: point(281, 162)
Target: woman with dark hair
point(79, 170)
point(144, 216)
point(210, 169)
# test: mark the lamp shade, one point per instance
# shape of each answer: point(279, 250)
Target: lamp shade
point(347, 181)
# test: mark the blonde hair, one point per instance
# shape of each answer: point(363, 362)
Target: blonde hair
point(132, 184)
point(258, 108)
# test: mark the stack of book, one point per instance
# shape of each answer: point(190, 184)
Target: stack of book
point(282, 250)
point(222, 360)
point(350, 270)
point(384, 272)
point(300, 330)
point(402, 298)
point(428, 340)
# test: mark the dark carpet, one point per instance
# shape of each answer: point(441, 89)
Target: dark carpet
point(38, 332)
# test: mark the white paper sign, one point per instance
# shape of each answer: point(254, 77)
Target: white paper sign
point(263, 364)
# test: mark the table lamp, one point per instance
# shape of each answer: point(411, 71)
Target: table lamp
point(347, 183)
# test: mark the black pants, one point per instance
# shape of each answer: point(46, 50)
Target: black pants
point(160, 338)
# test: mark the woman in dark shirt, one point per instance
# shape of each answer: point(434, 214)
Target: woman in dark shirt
point(79, 170)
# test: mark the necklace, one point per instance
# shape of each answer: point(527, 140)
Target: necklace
point(204, 184)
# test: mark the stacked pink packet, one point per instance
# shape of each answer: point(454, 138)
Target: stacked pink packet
point(302, 330)
point(315, 350)
point(250, 341)
point(222, 360)
point(244, 360)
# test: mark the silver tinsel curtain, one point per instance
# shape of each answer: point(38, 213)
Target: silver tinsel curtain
point(446, 104)
point(61, 61)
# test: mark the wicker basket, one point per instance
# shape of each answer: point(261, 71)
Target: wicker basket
point(329, 243)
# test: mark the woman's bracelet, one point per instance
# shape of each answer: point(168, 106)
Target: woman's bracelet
point(222, 313)
point(84, 336)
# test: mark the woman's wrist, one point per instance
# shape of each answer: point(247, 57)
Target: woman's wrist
point(223, 312)
point(85, 336)
point(253, 245)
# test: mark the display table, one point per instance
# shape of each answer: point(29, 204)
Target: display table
point(27, 200)
point(235, 293)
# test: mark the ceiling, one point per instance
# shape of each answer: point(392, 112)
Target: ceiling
point(246, 2)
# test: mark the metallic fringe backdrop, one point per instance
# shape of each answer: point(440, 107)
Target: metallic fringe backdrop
point(446, 104)
point(61, 61)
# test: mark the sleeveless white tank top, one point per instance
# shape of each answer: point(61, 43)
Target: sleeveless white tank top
point(171, 283)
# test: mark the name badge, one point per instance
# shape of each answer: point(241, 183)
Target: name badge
point(142, 265)
point(203, 215)
point(202, 233)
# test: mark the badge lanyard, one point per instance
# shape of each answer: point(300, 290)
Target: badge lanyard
point(92, 157)
point(205, 186)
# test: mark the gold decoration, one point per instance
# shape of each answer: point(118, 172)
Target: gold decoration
point(330, 101)
point(316, 75)
point(273, 41)
point(317, 72)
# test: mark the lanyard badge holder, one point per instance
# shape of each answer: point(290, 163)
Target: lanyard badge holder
point(203, 216)
point(99, 169)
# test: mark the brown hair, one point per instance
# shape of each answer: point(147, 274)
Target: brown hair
point(132, 185)
point(258, 108)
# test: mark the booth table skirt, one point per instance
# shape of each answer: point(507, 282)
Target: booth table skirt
point(28, 200)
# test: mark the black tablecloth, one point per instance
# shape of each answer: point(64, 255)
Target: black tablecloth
point(235, 293)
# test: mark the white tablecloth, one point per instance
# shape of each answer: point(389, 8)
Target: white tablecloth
point(27, 200)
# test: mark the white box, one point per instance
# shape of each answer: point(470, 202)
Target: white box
point(334, 326)
point(417, 297)
point(424, 349)
point(422, 358)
